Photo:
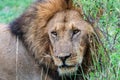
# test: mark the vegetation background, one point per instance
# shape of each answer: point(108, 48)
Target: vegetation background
point(108, 23)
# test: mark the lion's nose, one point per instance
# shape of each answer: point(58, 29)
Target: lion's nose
point(63, 58)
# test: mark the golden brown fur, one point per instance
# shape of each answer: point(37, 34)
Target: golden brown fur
point(36, 28)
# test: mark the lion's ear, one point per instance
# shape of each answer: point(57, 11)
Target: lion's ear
point(69, 3)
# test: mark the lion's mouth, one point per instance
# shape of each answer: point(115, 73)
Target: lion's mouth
point(67, 70)
point(67, 66)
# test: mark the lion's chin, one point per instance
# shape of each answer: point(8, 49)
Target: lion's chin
point(67, 70)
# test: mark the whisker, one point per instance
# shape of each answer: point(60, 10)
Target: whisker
point(47, 71)
point(40, 61)
point(42, 74)
point(47, 56)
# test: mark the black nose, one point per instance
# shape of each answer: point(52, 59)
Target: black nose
point(63, 58)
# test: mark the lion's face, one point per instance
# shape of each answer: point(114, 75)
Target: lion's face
point(68, 35)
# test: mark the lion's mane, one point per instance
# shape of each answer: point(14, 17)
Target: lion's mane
point(30, 28)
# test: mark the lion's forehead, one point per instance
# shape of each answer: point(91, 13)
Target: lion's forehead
point(65, 20)
point(67, 16)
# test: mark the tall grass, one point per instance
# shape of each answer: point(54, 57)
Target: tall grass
point(109, 24)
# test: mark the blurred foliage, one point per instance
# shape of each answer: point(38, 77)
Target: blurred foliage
point(10, 9)
point(108, 22)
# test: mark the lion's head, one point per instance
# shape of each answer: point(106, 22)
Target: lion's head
point(68, 34)
point(57, 35)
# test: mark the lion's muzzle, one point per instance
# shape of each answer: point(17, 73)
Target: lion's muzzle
point(63, 59)
point(66, 64)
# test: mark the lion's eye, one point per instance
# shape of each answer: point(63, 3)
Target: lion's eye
point(54, 33)
point(76, 31)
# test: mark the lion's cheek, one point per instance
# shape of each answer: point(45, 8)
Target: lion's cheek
point(57, 61)
point(71, 61)
point(80, 54)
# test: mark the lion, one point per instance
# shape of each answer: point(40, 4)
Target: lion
point(49, 41)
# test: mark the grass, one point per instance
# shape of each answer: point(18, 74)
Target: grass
point(10, 9)
point(109, 24)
